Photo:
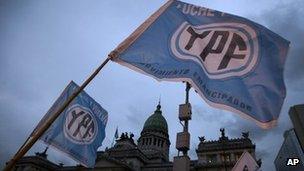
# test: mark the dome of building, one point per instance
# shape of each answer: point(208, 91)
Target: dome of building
point(156, 122)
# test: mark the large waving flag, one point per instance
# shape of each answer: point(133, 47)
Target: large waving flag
point(233, 63)
point(79, 130)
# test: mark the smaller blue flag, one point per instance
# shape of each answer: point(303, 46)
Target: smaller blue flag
point(116, 133)
point(80, 129)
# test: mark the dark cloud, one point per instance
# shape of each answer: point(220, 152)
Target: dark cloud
point(11, 106)
point(136, 116)
point(262, 153)
point(193, 147)
point(287, 20)
point(267, 158)
point(237, 125)
point(12, 131)
point(208, 114)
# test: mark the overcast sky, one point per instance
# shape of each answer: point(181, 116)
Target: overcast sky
point(45, 44)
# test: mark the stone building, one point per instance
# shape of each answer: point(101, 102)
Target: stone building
point(223, 153)
point(293, 144)
point(151, 152)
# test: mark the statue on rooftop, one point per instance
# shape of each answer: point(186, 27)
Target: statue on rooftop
point(202, 139)
point(42, 154)
point(222, 132)
point(122, 136)
point(245, 134)
point(131, 135)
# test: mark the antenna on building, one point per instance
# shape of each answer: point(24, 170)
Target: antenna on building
point(159, 100)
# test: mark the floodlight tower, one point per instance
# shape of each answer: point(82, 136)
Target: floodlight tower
point(182, 162)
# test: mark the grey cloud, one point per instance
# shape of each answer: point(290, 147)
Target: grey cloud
point(136, 117)
point(192, 151)
point(287, 20)
point(262, 153)
point(237, 125)
point(212, 115)
point(266, 157)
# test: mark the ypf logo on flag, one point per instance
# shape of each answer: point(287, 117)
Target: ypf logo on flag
point(80, 125)
point(222, 49)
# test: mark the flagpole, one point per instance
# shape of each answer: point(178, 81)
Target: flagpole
point(31, 141)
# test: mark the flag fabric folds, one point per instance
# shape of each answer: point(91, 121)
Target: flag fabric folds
point(79, 130)
point(233, 63)
point(246, 163)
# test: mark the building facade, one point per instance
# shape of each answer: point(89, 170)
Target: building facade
point(151, 152)
point(293, 144)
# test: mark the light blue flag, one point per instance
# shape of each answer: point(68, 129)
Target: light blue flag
point(233, 63)
point(79, 130)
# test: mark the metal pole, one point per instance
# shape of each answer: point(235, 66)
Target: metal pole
point(186, 124)
point(188, 86)
point(182, 163)
point(50, 120)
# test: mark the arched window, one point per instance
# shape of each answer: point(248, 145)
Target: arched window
point(162, 143)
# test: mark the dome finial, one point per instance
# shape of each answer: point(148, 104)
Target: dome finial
point(159, 100)
point(159, 106)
